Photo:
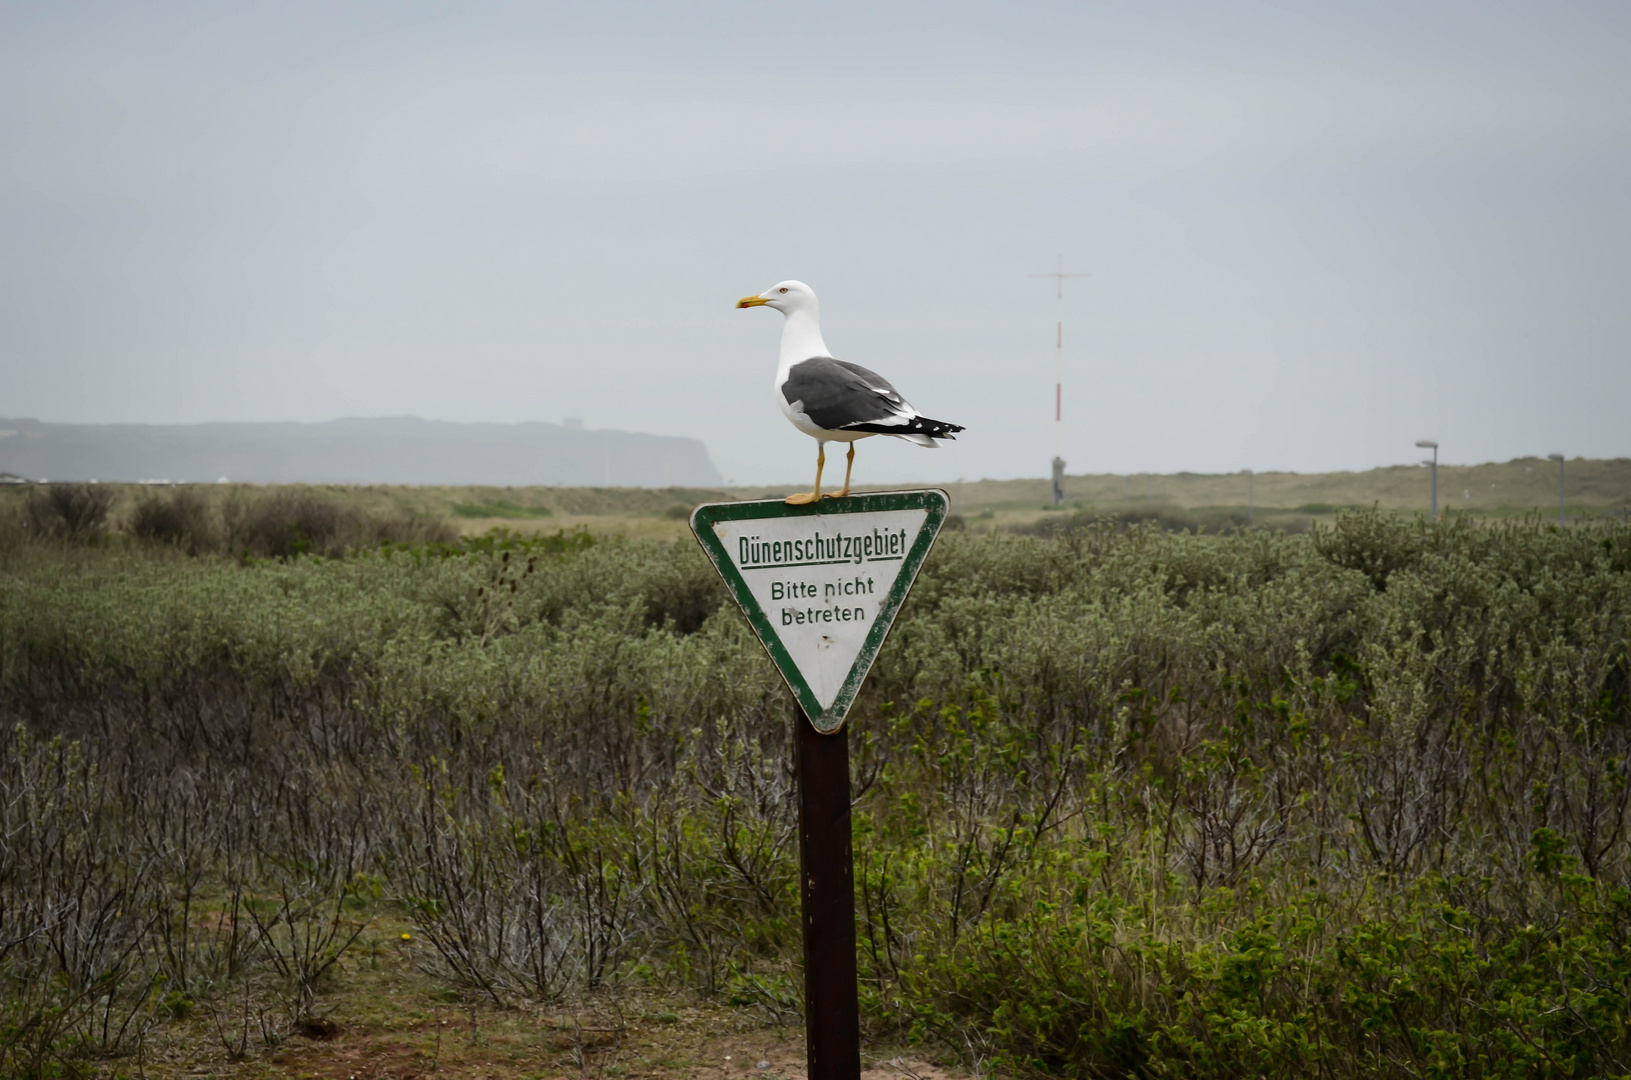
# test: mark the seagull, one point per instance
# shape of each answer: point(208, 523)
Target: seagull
point(834, 400)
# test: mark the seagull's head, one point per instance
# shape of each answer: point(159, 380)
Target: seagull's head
point(786, 297)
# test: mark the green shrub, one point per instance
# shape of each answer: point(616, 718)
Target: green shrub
point(1373, 543)
point(183, 520)
point(77, 513)
point(1128, 801)
point(1161, 516)
point(290, 522)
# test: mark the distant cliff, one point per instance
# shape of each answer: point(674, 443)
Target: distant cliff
point(391, 450)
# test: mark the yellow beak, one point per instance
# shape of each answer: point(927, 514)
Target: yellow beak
point(752, 301)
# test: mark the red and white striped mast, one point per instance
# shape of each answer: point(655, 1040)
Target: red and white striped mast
point(1059, 277)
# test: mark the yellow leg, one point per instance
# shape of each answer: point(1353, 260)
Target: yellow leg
point(812, 496)
point(849, 466)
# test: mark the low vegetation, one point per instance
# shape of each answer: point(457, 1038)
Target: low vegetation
point(76, 513)
point(1349, 803)
point(1163, 516)
point(280, 523)
point(1213, 502)
point(499, 508)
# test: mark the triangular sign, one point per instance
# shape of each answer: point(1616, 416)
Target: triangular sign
point(821, 583)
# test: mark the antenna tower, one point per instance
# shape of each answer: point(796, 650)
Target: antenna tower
point(1059, 277)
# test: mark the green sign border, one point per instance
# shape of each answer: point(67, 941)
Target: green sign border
point(703, 519)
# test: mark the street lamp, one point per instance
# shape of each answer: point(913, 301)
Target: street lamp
point(1429, 444)
point(1562, 507)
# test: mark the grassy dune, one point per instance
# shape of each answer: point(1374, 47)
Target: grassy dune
point(1509, 489)
point(1497, 491)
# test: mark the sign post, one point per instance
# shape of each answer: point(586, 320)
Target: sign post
point(821, 585)
point(832, 1016)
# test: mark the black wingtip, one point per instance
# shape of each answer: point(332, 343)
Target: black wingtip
point(920, 425)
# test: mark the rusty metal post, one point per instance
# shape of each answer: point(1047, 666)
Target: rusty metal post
point(832, 1020)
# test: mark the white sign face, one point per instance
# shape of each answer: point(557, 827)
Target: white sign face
point(822, 581)
point(821, 584)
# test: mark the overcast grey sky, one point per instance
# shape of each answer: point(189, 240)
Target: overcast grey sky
point(1317, 232)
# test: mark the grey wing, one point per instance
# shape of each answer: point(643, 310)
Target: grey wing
point(840, 395)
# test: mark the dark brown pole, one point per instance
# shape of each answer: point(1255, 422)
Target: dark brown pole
point(832, 1021)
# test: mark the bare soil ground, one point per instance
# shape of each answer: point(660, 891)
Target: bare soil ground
point(384, 1020)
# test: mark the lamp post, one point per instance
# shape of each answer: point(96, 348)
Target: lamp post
point(1430, 444)
point(1562, 506)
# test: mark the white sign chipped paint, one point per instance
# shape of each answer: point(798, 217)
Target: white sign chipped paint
point(822, 584)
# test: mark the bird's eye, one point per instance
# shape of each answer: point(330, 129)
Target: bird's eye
point(784, 290)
